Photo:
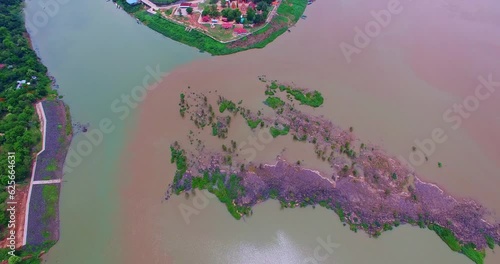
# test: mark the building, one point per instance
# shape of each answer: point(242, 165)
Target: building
point(240, 31)
point(21, 83)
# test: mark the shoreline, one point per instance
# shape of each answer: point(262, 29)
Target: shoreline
point(41, 225)
point(35, 189)
point(365, 176)
point(206, 43)
point(36, 206)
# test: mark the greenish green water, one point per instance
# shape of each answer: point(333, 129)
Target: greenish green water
point(97, 53)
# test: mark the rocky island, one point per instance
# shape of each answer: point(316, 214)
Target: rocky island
point(369, 189)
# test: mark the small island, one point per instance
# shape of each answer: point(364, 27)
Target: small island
point(218, 27)
point(369, 189)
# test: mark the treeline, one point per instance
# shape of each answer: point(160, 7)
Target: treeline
point(19, 125)
point(257, 15)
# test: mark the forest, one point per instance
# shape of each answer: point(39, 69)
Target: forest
point(23, 81)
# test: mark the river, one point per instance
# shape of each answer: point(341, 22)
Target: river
point(97, 53)
point(395, 91)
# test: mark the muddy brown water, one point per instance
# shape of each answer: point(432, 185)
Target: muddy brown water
point(394, 92)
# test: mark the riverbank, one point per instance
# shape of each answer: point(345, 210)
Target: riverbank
point(27, 90)
point(369, 189)
point(38, 201)
point(288, 13)
point(42, 221)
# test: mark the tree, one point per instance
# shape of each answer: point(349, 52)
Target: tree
point(205, 12)
point(189, 10)
point(265, 13)
point(266, 1)
point(213, 11)
point(258, 19)
point(236, 14)
point(231, 14)
point(15, 259)
point(225, 12)
point(250, 14)
point(262, 6)
point(18, 118)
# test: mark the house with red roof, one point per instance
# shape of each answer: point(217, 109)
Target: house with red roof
point(240, 31)
point(243, 8)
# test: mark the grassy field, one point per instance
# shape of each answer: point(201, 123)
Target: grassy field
point(51, 197)
point(178, 33)
point(220, 33)
point(292, 9)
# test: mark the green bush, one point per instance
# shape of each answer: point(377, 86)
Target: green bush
point(313, 99)
point(490, 241)
point(253, 123)
point(279, 132)
point(274, 102)
point(226, 104)
point(15, 260)
point(470, 251)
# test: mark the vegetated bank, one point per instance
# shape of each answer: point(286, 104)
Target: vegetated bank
point(289, 12)
point(369, 189)
point(43, 224)
point(23, 82)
